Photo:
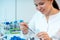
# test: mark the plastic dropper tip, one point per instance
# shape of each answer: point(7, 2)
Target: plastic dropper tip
point(21, 21)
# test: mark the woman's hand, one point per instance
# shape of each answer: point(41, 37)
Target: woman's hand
point(43, 36)
point(24, 27)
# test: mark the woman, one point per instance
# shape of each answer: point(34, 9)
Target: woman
point(45, 23)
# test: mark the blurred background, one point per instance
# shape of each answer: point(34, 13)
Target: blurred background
point(12, 12)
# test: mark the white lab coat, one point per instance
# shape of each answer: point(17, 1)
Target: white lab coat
point(39, 24)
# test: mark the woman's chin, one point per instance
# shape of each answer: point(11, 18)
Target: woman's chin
point(44, 13)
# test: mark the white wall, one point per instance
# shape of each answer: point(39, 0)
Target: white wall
point(7, 10)
point(25, 9)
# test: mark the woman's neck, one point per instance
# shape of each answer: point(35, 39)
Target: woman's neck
point(52, 12)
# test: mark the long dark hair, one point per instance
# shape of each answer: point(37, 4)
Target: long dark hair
point(55, 5)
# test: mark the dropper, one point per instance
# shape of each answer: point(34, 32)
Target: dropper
point(28, 27)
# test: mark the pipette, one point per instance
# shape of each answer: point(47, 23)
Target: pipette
point(28, 27)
